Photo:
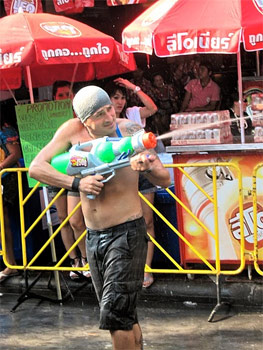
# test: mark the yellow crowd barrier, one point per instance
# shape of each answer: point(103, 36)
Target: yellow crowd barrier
point(205, 265)
point(255, 219)
point(208, 267)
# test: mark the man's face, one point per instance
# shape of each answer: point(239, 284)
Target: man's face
point(103, 121)
point(178, 73)
point(137, 74)
point(158, 81)
point(63, 93)
point(203, 72)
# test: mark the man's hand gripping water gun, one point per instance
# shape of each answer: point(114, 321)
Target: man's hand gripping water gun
point(105, 156)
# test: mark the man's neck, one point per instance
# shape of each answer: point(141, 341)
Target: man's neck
point(205, 82)
point(94, 135)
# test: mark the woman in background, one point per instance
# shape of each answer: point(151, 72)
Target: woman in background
point(232, 104)
point(117, 90)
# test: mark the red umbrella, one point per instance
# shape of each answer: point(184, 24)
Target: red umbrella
point(175, 27)
point(179, 27)
point(52, 47)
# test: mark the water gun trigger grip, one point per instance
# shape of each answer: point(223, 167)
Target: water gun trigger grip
point(92, 196)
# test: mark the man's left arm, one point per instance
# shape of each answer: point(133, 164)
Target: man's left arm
point(149, 164)
point(146, 162)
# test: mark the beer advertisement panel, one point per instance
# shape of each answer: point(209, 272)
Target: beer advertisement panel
point(228, 207)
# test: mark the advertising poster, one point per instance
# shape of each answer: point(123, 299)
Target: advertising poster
point(228, 207)
point(37, 124)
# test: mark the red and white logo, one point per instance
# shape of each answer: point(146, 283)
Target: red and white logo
point(61, 29)
point(235, 228)
point(27, 6)
point(259, 5)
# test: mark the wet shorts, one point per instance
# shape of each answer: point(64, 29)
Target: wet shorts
point(53, 191)
point(145, 186)
point(117, 258)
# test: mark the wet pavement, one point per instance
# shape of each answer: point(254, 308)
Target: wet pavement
point(166, 325)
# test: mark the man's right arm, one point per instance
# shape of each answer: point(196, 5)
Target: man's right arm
point(40, 168)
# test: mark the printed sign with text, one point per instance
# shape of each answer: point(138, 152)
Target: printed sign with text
point(37, 124)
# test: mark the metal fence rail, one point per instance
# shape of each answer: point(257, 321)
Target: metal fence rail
point(205, 267)
point(208, 266)
point(254, 254)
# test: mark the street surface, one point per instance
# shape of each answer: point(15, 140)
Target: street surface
point(166, 325)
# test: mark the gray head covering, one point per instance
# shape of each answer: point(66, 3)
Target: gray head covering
point(88, 100)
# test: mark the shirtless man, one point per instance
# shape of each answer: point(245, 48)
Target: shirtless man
point(116, 231)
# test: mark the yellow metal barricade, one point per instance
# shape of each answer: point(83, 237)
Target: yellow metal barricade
point(207, 267)
point(28, 265)
point(255, 220)
point(22, 219)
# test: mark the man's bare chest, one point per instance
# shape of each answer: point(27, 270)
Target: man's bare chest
point(80, 137)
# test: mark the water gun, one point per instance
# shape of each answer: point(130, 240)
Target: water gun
point(104, 156)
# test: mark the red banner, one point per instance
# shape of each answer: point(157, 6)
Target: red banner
point(63, 5)
point(29, 6)
point(77, 8)
point(88, 3)
point(124, 2)
point(72, 6)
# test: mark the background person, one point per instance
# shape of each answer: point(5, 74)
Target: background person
point(202, 94)
point(232, 104)
point(10, 153)
point(73, 229)
point(165, 97)
point(138, 79)
point(116, 231)
point(177, 74)
point(117, 90)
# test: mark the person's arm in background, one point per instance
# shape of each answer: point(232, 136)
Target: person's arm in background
point(174, 98)
point(187, 98)
point(211, 106)
point(149, 108)
point(13, 157)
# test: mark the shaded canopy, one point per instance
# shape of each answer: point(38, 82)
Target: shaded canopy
point(56, 48)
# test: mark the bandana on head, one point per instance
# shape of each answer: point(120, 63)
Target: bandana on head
point(88, 100)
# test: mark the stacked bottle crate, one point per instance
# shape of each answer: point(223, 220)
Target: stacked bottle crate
point(201, 128)
point(257, 116)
